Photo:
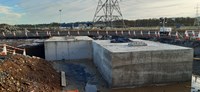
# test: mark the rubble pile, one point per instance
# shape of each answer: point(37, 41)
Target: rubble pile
point(28, 74)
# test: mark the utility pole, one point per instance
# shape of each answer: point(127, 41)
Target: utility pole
point(107, 13)
point(197, 19)
point(60, 11)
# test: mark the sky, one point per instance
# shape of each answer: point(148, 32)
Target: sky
point(47, 11)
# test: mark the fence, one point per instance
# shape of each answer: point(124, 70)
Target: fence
point(7, 50)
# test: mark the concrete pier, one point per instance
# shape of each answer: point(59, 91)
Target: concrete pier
point(68, 48)
point(122, 65)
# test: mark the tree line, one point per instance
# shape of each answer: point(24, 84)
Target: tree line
point(154, 22)
point(177, 22)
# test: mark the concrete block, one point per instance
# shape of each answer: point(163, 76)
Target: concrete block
point(68, 48)
point(63, 79)
point(122, 65)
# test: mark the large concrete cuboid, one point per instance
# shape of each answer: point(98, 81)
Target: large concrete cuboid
point(156, 63)
point(68, 48)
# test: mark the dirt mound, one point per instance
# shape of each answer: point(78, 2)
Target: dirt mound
point(26, 74)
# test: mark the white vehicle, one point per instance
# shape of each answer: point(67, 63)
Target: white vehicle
point(165, 29)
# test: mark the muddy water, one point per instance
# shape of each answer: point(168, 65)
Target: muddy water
point(195, 83)
point(179, 87)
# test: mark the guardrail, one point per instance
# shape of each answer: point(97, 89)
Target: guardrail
point(7, 50)
point(186, 35)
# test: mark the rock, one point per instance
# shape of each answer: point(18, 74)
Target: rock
point(11, 78)
point(18, 84)
point(18, 90)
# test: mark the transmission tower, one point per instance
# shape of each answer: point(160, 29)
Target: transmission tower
point(108, 14)
point(197, 19)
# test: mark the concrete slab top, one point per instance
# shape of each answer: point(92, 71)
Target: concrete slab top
point(123, 47)
point(69, 38)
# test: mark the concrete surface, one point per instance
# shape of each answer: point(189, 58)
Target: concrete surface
point(90, 88)
point(80, 73)
point(156, 63)
point(103, 60)
point(63, 79)
point(68, 48)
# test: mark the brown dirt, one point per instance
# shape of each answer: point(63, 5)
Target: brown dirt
point(26, 74)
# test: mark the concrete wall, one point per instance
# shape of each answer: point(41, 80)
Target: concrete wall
point(102, 59)
point(139, 68)
point(152, 67)
point(68, 50)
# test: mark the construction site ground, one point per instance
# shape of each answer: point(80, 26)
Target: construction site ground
point(23, 73)
point(78, 73)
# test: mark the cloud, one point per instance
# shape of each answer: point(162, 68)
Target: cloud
point(139, 9)
point(7, 11)
point(46, 11)
point(7, 15)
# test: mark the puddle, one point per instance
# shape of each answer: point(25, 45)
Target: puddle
point(180, 87)
point(195, 83)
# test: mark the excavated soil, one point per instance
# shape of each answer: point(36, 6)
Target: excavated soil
point(28, 74)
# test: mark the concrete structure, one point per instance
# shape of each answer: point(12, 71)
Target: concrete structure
point(68, 48)
point(122, 65)
point(90, 88)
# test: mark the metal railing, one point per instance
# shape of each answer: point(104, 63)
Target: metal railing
point(8, 50)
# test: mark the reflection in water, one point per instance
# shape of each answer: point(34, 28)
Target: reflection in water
point(195, 83)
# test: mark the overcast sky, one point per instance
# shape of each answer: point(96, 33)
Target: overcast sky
point(47, 11)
